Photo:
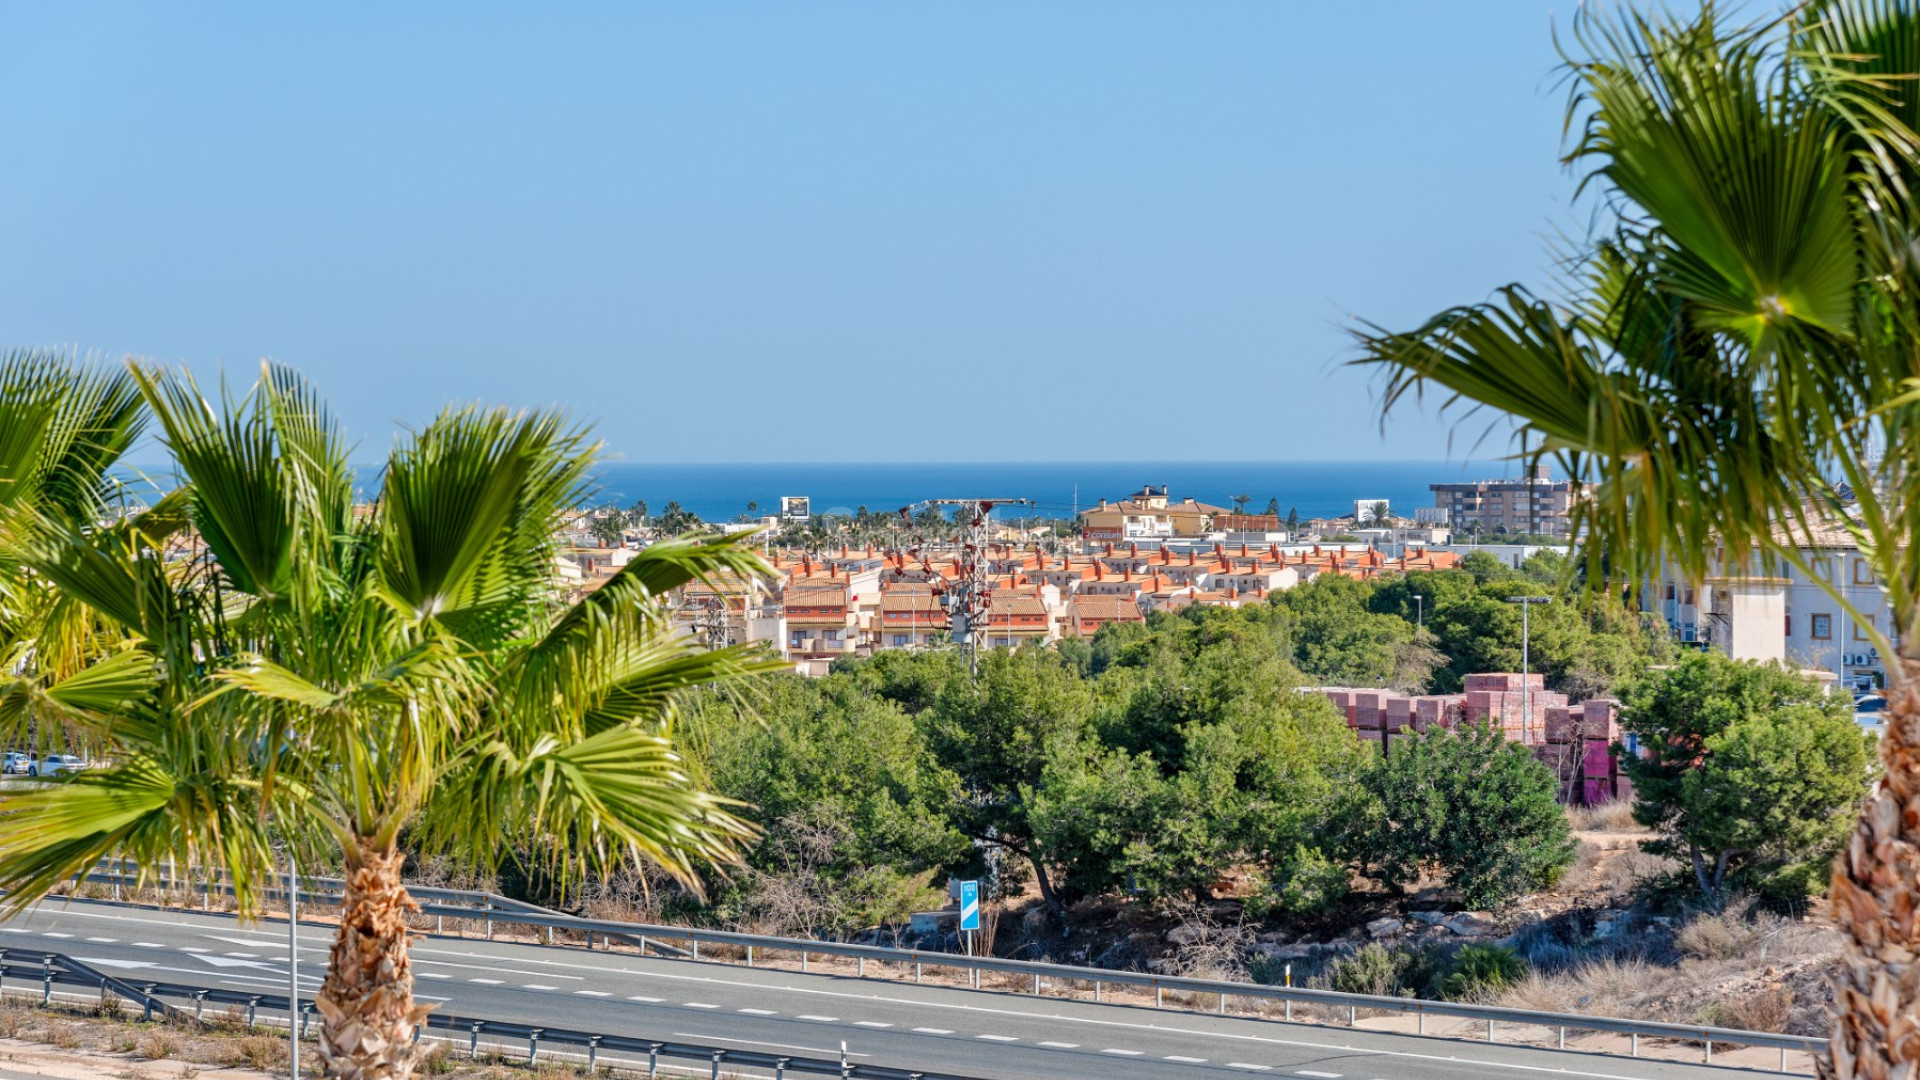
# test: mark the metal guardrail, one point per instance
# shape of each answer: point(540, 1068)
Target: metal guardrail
point(647, 936)
point(55, 969)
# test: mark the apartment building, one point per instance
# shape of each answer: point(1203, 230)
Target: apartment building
point(1531, 504)
point(1779, 613)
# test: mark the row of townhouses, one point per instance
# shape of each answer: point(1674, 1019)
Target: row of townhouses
point(818, 607)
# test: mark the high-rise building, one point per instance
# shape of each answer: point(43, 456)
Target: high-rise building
point(1531, 504)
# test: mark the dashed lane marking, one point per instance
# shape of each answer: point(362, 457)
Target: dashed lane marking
point(821, 1019)
point(192, 949)
point(148, 945)
point(593, 993)
point(997, 1038)
point(1319, 1075)
point(1061, 1045)
point(648, 1000)
point(1122, 1053)
point(934, 1031)
point(103, 940)
point(1185, 1060)
point(432, 975)
point(50, 933)
point(871, 1023)
point(537, 986)
point(487, 982)
point(758, 1012)
point(1245, 1065)
point(700, 1005)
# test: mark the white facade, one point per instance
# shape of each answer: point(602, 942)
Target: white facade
point(1785, 615)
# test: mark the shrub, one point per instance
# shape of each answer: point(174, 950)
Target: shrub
point(157, 1045)
point(1304, 883)
point(1478, 970)
point(1372, 969)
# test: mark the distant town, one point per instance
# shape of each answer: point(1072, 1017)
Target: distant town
point(853, 585)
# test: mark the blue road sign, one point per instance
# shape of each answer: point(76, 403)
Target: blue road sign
point(969, 905)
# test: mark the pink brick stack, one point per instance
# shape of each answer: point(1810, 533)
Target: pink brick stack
point(1575, 741)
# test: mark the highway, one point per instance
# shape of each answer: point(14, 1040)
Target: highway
point(989, 1034)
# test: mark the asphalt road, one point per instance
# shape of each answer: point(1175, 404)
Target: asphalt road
point(996, 1035)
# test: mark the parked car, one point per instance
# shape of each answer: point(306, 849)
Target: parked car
point(15, 764)
point(55, 764)
point(1870, 711)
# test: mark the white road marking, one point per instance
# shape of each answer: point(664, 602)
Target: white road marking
point(432, 975)
point(191, 948)
point(487, 982)
point(821, 1019)
point(197, 921)
point(648, 1000)
point(699, 1005)
point(50, 933)
point(1320, 1075)
point(870, 1023)
point(103, 940)
point(750, 1042)
point(148, 945)
point(1244, 1065)
point(758, 1012)
point(1122, 1053)
point(593, 993)
point(537, 986)
point(1061, 1045)
point(1185, 1060)
point(934, 1031)
point(245, 955)
point(997, 1038)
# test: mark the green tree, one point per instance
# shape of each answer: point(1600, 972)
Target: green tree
point(1293, 522)
point(1470, 804)
point(608, 527)
point(1337, 638)
point(825, 745)
point(324, 681)
point(1731, 367)
point(675, 519)
point(1763, 807)
point(1273, 509)
point(997, 734)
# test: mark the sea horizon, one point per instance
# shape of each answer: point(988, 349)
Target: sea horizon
point(721, 491)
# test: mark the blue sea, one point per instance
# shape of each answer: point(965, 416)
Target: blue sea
point(723, 492)
point(1315, 488)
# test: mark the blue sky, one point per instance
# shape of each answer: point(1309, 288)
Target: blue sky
point(819, 231)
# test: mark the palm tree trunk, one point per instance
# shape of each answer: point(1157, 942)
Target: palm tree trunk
point(1876, 1034)
point(366, 1004)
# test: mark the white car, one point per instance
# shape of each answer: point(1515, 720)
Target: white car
point(15, 764)
point(55, 764)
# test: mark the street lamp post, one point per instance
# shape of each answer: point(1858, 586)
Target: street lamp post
point(1526, 663)
point(293, 966)
point(1419, 612)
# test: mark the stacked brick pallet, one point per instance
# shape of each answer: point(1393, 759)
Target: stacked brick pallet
point(1574, 740)
point(1515, 704)
point(1377, 716)
point(1579, 748)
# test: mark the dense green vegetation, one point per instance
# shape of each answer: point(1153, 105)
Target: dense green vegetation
point(1754, 774)
point(1160, 760)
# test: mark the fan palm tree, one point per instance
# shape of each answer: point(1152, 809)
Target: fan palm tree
point(291, 672)
point(1734, 366)
point(63, 424)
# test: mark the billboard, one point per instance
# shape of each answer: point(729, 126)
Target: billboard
point(795, 508)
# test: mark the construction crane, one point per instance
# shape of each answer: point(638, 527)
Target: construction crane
point(971, 597)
